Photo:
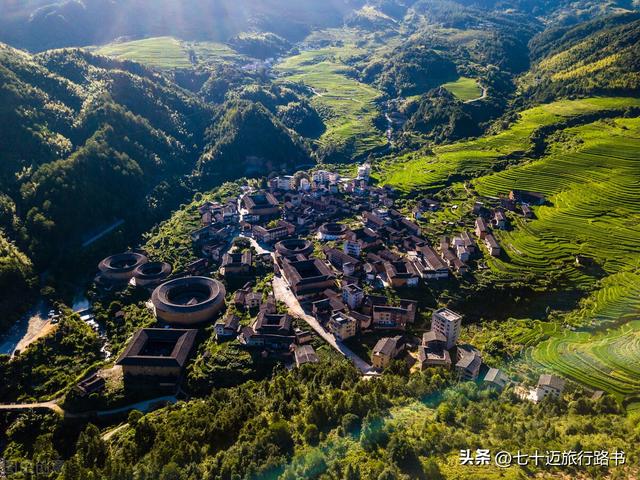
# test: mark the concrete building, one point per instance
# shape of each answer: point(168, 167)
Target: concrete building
point(227, 328)
point(364, 171)
point(351, 248)
point(284, 182)
point(447, 322)
point(431, 356)
point(386, 350)
point(321, 176)
point(353, 296)
point(550, 385)
point(469, 363)
point(342, 326)
point(389, 317)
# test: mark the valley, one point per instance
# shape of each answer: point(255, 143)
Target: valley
point(412, 227)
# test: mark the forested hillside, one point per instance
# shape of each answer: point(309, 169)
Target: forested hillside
point(88, 141)
point(121, 121)
point(594, 58)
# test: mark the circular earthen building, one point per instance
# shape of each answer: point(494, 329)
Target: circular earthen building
point(332, 231)
point(293, 247)
point(151, 274)
point(188, 300)
point(120, 267)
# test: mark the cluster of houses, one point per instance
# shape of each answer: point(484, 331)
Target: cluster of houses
point(332, 237)
point(334, 240)
point(440, 348)
point(271, 332)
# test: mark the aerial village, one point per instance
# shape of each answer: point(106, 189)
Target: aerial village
point(342, 259)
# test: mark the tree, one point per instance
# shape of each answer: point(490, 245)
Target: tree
point(91, 449)
point(311, 434)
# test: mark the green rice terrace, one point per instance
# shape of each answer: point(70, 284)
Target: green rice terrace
point(591, 180)
point(465, 159)
point(346, 105)
point(168, 52)
point(594, 196)
point(590, 175)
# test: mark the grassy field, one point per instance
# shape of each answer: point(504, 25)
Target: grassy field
point(346, 105)
point(449, 163)
point(464, 88)
point(168, 52)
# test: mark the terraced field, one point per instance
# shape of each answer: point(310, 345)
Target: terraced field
point(428, 172)
point(591, 178)
point(168, 52)
point(608, 361)
point(346, 105)
point(595, 203)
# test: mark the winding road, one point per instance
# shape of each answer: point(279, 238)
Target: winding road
point(143, 406)
point(282, 292)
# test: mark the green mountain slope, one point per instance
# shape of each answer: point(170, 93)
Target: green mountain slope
point(599, 57)
point(247, 139)
point(75, 120)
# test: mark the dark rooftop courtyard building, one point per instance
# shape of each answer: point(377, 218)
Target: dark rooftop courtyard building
point(157, 353)
point(261, 204)
point(307, 277)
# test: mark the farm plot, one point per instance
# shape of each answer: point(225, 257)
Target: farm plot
point(347, 106)
point(608, 361)
point(594, 206)
point(428, 172)
point(464, 88)
point(168, 52)
point(593, 189)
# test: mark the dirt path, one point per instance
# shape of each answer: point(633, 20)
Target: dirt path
point(481, 97)
point(53, 406)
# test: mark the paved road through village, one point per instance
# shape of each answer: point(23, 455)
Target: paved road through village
point(282, 292)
